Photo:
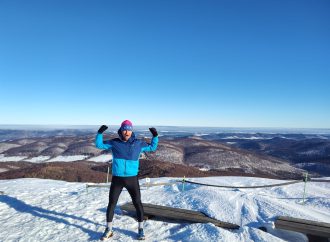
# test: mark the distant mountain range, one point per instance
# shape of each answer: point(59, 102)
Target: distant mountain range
point(10, 132)
point(310, 152)
point(70, 154)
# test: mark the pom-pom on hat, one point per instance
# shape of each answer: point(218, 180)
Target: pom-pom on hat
point(126, 125)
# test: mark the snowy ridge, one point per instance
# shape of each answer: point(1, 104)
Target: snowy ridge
point(38, 159)
point(68, 158)
point(48, 210)
point(101, 158)
point(12, 158)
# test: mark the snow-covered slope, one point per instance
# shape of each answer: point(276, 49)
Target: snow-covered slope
point(193, 151)
point(48, 210)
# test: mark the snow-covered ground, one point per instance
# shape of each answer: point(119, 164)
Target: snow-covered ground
point(68, 158)
point(44, 159)
point(61, 158)
point(101, 158)
point(38, 159)
point(49, 210)
point(11, 158)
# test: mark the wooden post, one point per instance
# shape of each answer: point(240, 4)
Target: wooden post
point(305, 180)
point(148, 182)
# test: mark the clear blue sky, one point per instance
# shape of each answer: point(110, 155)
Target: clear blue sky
point(193, 63)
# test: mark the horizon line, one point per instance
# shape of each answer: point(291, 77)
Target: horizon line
point(184, 126)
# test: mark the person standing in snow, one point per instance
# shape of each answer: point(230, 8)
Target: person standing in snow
point(126, 151)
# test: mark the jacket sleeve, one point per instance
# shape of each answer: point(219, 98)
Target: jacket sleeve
point(150, 147)
point(102, 145)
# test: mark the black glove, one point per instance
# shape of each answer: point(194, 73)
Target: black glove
point(154, 132)
point(102, 129)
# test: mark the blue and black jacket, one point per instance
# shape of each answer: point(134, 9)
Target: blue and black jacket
point(125, 155)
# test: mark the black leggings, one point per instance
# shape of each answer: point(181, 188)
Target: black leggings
point(131, 183)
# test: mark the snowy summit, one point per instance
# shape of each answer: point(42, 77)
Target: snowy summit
point(49, 210)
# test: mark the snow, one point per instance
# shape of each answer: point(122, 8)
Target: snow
point(204, 169)
point(313, 152)
point(68, 158)
point(199, 135)
point(42, 159)
point(231, 143)
point(38, 159)
point(49, 210)
point(11, 158)
point(247, 138)
point(305, 164)
point(101, 158)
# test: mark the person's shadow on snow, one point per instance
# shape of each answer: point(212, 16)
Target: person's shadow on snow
point(21, 206)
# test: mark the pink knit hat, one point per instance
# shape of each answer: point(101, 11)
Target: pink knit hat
point(126, 125)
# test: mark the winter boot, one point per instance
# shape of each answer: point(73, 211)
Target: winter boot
point(141, 235)
point(107, 234)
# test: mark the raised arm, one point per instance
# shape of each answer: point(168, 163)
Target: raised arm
point(99, 139)
point(154, 142)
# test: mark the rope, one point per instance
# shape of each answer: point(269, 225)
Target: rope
point(158, 184)
point(320, 180)
point(211, 185)
point(273, 185)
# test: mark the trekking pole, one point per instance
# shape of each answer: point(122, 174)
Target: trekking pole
point(108, 174)
point(109, 162)
point(305, 180)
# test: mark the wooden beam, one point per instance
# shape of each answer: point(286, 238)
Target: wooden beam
point(178, 214)
point(307, 227)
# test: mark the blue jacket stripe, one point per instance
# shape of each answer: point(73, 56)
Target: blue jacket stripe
point(99, 143)
point(152, 146)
